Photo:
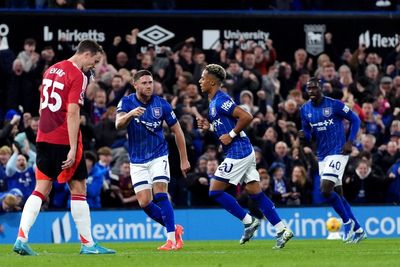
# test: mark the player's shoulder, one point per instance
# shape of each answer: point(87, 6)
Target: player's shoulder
point(305, 105)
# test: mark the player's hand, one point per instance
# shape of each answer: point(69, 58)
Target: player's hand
point(202, 123)
point(69, 162)
point(185, 167)
point(225, 139)
point(347, 148)
point(137, 112)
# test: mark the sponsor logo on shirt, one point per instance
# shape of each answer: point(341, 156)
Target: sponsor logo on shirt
point(227, 105)
point(321, 125)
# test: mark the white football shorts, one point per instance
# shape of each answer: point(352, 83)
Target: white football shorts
point(144, 175)
point(237, 171)
point(332, 168)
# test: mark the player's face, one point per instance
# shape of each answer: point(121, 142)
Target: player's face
point(206, 82)
point(144, 85)
point(314, 92)
point(90, 61)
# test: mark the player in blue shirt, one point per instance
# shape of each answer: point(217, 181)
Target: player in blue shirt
point(143, 114)
point(239, 166)
point(322, 119)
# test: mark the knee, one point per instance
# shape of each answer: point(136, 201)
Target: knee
point(326, 193)
point(144, 203)
point(215, 194)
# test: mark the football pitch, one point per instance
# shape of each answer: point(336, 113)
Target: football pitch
point(371, 252)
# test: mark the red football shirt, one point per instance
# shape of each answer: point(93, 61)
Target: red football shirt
point(63, 83)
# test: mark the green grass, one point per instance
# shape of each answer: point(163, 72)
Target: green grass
point(371, 252)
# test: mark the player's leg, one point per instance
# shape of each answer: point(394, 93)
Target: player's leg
point(253, 188)
point(81, 214)
point(142, 185)
point(76, 178)
point(231, 171)
point(160, 177)
point(359, 233)
point(331, 171)
point(29, 215)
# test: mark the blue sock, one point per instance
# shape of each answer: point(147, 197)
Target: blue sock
point(167, 212)
point(350, 213)
point(154, 212)
point(267, 207)
point(336, 201)
point(229, 203)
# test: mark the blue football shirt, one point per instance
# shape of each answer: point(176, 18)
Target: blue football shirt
point(325, 123)
point(220, 114)
point(145, 133)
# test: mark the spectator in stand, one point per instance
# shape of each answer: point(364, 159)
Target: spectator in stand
point(300, 187)
point(10, 127)
point(387, 155)
point(19, 174)
point(99, 106)
point(264, 57)
point(364, 186)
point(95, 180)
point(105, 132)
point(280, 186)
point(123, 187)
point(28, 56)
point(119, 88)
point(199, 182)
point(301, 62)
point(27, 138)
point(373, 123)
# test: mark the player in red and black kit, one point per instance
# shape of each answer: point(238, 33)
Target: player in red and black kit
point(59, 145)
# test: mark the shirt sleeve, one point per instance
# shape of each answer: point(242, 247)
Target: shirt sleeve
point(168, 114)
point(225, 106)
point(78, 87)
point(305, 125)
point(345, 112)
point(123, 105)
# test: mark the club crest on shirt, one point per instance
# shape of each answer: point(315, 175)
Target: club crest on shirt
point(156, 111)
point(326, 112)
point(213, 111)
point(309, 115)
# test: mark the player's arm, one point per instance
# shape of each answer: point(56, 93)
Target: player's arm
point(181, 144)
point(243, 120)
point(305, 133)
point(355, 122)
point(124, 118)
point(73, 129)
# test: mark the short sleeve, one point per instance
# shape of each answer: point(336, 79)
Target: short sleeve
point(225, 106)
point(123, 105)
point(78, 87)
point(169, 114)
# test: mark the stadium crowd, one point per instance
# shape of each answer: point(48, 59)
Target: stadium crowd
point(270, 89)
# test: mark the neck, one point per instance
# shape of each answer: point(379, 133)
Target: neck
point(75, 60)
point(212, 93)
point(143, 98)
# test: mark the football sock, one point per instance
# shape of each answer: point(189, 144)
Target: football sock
point(267, 207)
point(229, 203)
point(29, 214)
point(336, 201)
point(350, 213)
point(81, 214)
point(167, 212)
point(154, 212)
point(247, 219)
